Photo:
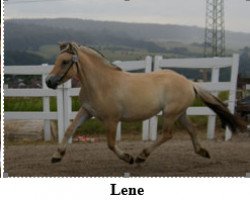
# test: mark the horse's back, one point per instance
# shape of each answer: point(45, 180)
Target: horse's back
point(163, 79)
point(160, 74)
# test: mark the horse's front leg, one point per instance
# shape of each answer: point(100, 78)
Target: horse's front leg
point(81, 116)
point(111, 128)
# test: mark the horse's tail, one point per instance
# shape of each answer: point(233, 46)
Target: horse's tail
point(227, 118)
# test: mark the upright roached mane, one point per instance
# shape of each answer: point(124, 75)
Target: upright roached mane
point(112, 95)
point(74, 47)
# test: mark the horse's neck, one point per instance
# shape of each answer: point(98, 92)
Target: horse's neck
point(96, 76)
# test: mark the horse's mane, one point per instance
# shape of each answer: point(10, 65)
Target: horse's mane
point(72, 48)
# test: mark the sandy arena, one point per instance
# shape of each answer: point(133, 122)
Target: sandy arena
point(174, 158)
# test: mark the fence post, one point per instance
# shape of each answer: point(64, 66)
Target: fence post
point(148, 61)
point(119, 131)
point(157, 63)
point(212, 118)
point(60, 113)
point(154, 120)
point(233, 90)
point(67, 106)
point(46, 108)
point(145, 130)
point(153, 128)
point(146, 123)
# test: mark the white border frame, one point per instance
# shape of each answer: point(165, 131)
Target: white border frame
point(2, 92)
point(160, 188)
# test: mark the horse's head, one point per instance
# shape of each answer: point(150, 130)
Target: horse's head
point(65, 65)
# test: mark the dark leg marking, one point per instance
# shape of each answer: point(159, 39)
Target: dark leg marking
point(142, 157)
point(204, 153)
point(56, 160)
point(128, 158)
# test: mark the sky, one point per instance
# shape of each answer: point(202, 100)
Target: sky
point(182, 12)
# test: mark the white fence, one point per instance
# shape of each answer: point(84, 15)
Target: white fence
point(149, 128)
point(44, 92)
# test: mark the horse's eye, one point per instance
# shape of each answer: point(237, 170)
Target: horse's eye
point(65, 62)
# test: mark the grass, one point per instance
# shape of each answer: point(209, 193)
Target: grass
point(33, 104)
point(22, 104)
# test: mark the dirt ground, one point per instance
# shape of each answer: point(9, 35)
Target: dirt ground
point(174, 158)
point(25, 130)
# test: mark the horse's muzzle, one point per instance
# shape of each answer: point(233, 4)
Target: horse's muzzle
point(52, 81)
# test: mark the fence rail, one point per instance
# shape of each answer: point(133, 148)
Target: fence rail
point(149, 127)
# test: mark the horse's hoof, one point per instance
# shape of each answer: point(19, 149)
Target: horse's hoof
point(55, 160)
point(129, 159)
point(139, 160)
point(142, 157)
point(204, 153)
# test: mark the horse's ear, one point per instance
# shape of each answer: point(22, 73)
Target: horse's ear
point(67, 46)
point(62, 45)
point(71, 48)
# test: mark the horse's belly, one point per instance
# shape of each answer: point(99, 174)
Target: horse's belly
point(140, 110)
point(131, 118)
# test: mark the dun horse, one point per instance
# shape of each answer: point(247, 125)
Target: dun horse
point(112, 95)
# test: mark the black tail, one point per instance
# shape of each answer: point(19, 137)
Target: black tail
point(227, 118)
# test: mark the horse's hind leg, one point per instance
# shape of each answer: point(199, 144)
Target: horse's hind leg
point(81, 116)
point(168, 123)
point(111, 128)
point(191, 130)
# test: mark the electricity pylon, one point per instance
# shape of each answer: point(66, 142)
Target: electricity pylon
point(214, 44)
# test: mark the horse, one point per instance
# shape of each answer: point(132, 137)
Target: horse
point(112, 95)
